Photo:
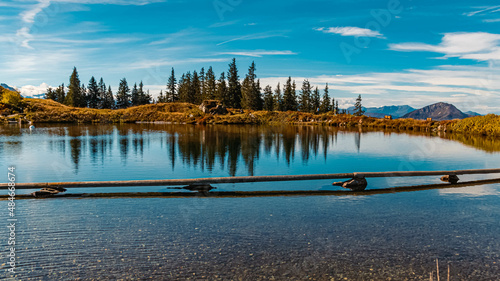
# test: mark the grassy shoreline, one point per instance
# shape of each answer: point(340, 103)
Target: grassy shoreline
point(48, 111)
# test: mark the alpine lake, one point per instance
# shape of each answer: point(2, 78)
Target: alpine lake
point(345, 236)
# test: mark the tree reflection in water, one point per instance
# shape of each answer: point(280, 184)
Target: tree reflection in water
point(201, 146)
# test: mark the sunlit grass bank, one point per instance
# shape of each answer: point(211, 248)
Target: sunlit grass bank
point(48, 111)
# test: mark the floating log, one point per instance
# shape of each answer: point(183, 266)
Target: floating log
point(174, 182)
point(237, 194)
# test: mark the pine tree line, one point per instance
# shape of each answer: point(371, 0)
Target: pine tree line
point(194, 87)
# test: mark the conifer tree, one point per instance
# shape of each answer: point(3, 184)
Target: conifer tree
point(268, 98)
point(305, 97)
point(195, 89)
point(210, 85)
point(332, 107)
point(171, 93)
point(234, 86)
point(93, 93)
point(74, 95)
point(337, 107)
point(102, 93)
point(358, 108)
point(161, 98)
point(144, 97)
point(83, 99)
point(123, 94)
point(108, 101)
point(222, 94)
point(325, 103)
point(134, 97)
point(315, 100)
point(250, 90)
point(278, 99)
point(50, 95)
point(289, 96)
point(201, 77)
point(184, 87)
point(61, 94)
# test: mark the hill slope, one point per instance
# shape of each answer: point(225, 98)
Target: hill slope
point(438, 111)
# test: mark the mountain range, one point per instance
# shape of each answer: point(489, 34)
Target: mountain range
point(438, 111)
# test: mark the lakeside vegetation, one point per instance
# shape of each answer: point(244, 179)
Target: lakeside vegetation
point(246, 101)
point(48, 111)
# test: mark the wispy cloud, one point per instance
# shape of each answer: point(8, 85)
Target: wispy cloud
point(492, 9)
point(491, 20)
point(351, 31)
point(258, 53)
point(145, 64)
point(28, 16)
point(253, 37)
point(479, 46)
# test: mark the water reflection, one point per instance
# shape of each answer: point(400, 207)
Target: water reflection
point(201, 147)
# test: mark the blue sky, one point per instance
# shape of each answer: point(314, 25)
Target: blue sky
point(391, 52)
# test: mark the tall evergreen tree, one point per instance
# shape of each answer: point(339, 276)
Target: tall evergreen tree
point(184, 88)
point(234, 86)
point(278, 99)
point(210, 85)
point(222, 94)
point(93, 93)
point(268, 98)
point(358, 108)
point(250, 90)
point(61, 94)
point(123, 95)
point(337, 107)
point(102, 93)
point(332, 107)
point(144, 97)
point(196, 88)
point(325, 103)
point(315, 100)
point(201, 77)
point(108, 101)
point(171, 93)
point(305, 97)
point(134, 97)
point(74, 95)
point(289, 96)
point(83, 100)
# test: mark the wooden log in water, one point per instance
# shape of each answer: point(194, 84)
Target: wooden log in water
point(174, 182)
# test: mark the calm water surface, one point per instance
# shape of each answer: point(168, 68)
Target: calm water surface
point(379, 237)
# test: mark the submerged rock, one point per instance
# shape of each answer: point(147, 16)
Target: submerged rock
point(450, 178)
point(354, 184)
point(48, 191)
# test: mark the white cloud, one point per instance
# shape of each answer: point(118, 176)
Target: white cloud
point(480, 46)
point(351, 31)
point(258, 53)
point(467, 87)
point(32, 91)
